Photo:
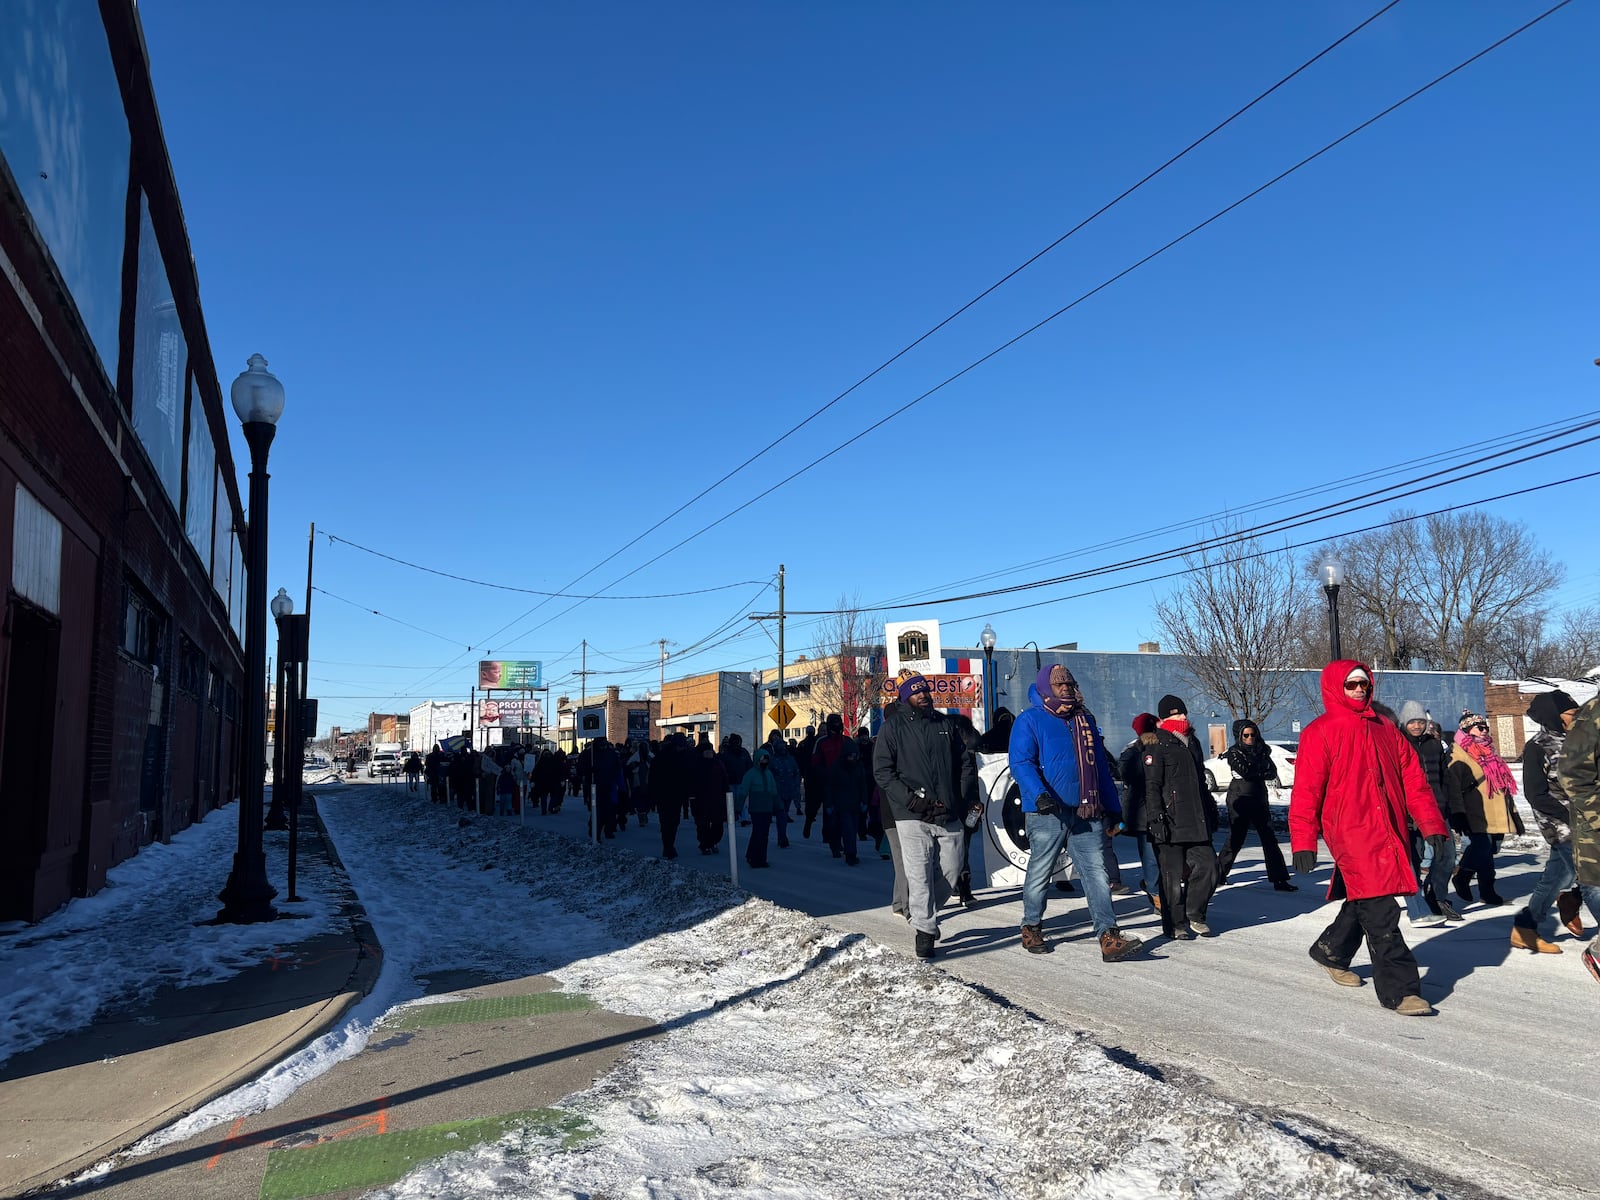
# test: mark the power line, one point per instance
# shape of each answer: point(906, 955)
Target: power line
point(506, 587)
point(1266, 529)
point(1126, 271)
point(993, 287)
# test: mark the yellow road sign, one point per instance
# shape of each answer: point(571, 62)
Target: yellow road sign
point(782, 715)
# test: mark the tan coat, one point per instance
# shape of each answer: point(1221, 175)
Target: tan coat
point(1485, 813)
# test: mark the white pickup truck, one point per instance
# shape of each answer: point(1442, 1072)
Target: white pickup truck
point(383, 762)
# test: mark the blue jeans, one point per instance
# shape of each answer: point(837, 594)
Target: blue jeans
point(1559, 874)
point(1085, 842)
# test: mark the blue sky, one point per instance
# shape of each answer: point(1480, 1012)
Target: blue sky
point(533, 275)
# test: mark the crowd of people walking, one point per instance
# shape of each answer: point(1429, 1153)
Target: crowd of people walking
point(1388, 793)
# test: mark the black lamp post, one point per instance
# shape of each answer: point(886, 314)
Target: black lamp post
point(755, 685)
point(247, 896)
point(282, 605)
point(1331, 571)
point(988, 639)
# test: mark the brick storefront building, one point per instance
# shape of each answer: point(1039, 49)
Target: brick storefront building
point(121, 527)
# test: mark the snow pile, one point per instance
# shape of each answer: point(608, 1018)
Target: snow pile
point(797, 1061)
point(142, 932)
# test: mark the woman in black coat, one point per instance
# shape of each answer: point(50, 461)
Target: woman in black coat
point(1251, 761)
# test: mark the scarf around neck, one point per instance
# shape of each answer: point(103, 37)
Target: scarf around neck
point(1071, 710)
point(1480, 749)
point(1178, 725)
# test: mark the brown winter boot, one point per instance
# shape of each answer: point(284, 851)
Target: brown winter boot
point(1116, 945)
point(1524, 938)
point(1414, 1006)
point(1033, 940)
point(1568, 910)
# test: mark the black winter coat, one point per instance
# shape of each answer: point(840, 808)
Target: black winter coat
point(921, 748)
point(1130, 769)
point(1435, 759)
point(1177, 806)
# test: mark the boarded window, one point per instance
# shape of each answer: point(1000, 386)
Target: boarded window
point(36, 554)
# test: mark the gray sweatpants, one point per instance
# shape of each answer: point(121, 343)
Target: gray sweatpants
point(931, 855)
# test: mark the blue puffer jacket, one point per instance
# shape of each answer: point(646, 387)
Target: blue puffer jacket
point(1044, 759)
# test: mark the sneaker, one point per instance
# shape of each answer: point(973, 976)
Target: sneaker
point(1283, 885)
point(1343, 976)
point(1567, 909)
point(1122, 889)
point(1525, 938)
point(1200, 928)
point(924, 944)
point(1033, 940)
point(1182, 933)
point(1414, 1006)
point(1591, 960)
point(1427, 920)
point(1448, 912)
point(1115, 946)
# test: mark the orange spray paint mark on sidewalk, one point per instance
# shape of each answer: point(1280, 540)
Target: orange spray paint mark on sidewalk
point(233, 1133)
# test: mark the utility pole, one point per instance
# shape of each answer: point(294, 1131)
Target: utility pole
point(777, 616)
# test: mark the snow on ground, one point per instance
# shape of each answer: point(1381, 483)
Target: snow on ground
point(799, 1061)
point(143, 931)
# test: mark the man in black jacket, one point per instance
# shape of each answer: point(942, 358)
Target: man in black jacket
point(923, 771)
point(1434, 756)
point(1180, 816)
point(1555, 712)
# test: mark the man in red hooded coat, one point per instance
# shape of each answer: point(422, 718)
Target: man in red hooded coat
point(1356, 779)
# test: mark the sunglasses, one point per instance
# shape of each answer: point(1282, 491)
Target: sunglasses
point(1479, 726)
point(1249, 737)
point(1358, 685)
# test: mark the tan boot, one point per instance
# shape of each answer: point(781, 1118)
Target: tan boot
point(1523, 938)
point(1414, 1006)
point(1570, 913)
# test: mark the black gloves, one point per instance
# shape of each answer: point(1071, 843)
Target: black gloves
point(1437, 841)
point(1046, 804)
point(1458, 822)
point(1305, 862)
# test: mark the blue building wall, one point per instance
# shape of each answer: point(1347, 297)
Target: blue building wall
point(1119, 686)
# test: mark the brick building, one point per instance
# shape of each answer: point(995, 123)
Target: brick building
point(121, 528)
point(609, 716)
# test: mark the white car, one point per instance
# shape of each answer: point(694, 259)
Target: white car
point(384, 762)
point(1219, 774)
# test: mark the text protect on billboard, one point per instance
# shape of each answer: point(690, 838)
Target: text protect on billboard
point(513, 712)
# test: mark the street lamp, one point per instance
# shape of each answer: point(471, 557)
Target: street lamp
point(755, 684)
point(1331, 572)
point(282, 605)
point(988, 640)
point(247, 896)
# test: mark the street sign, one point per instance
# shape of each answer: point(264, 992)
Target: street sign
point(782, 715)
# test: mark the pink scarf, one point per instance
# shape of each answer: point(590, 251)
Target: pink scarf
point(1481, 750)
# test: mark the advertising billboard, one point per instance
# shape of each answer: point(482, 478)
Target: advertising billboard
point(497, 673)
point(512, 712)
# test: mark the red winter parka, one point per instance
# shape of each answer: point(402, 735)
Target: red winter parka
point(1355, 779)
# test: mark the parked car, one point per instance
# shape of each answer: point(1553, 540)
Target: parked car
point(1219, 774)
point(384, 762)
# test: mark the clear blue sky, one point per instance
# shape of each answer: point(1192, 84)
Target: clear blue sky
point(535, 274)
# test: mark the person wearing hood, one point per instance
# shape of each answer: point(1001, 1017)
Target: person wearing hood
point(997, 740)
point(1487, 787)
point(735, 761)
point(1555, 712)
point(1180, 817)
point(758, 790)
point(1357, 781)
point(1130, 766)
point(1439, 862)
point(671, 785)
point(1579, 773)
point(1061, 767)
point(923, 771)
point(709, 805)
point(1248, 808)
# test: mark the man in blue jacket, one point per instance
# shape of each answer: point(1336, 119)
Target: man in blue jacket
point(1068, 796)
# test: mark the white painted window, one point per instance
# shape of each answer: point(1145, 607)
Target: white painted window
point(36, 553)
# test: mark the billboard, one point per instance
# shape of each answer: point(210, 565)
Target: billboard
point(590, 723)
point(949, 691)
point(512, 712)
point(496, 674)
point(638, 725)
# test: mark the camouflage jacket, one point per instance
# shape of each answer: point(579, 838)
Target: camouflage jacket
point(1579, 772)
point(1542, 786)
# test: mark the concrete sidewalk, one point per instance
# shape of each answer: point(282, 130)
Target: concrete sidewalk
point(76, 1100)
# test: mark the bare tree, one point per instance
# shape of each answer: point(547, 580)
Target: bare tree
point(1456, 591)
point(1576, 651)
point(1474, 575)
point(852, 640)
point(1236, 620)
